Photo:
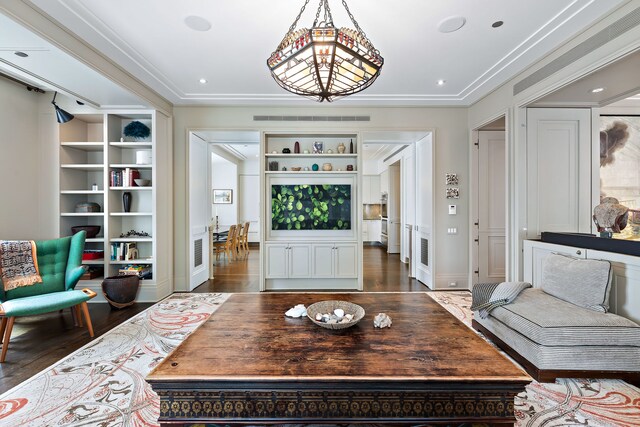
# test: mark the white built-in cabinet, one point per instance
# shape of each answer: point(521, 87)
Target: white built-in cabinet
point(371, 193)
point(301, 258)
point(384, 182)
point(624, 298)
point(92, 149)
point(371, 230)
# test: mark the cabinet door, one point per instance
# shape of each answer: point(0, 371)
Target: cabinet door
point(323, 260)
point(375, 228)
point(277, 259)
point(365, 231)
point(345, 260)
point(375, 189)
point(299, 260)
point(366, 190)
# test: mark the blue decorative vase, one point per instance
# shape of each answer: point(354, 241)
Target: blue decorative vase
point(315, 167)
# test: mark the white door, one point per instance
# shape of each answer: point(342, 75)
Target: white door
point(491, 207)
point(558, 170)
point(423, 256)
point(199, 212)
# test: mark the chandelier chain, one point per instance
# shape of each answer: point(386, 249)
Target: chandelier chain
point(328, 18)
point(353, 20)
point(293, 26)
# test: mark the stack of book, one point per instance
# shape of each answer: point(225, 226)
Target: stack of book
point(142, 271)
point(123, 178)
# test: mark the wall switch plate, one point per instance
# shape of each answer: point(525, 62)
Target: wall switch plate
point(453, 209)
point(453, 284)
point(452, 230)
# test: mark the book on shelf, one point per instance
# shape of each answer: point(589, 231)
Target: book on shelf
point(142, 271)
point(124, 251)
point(124, 177)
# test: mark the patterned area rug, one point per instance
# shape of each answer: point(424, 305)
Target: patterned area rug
point(102, 384)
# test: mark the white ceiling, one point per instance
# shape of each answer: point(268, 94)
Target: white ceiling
point(149, 39)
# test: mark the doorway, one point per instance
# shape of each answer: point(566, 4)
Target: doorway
point(489, 204)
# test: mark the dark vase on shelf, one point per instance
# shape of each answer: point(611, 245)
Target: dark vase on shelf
point(296, 147)
point(126, 201)
point(351, 147)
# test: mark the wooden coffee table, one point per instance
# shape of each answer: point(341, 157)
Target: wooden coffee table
point(250, 364)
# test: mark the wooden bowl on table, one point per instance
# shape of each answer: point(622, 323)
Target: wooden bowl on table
point(327, 307)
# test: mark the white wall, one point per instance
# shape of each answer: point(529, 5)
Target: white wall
point(224, 176)
point(450, 135)
point(28, 161)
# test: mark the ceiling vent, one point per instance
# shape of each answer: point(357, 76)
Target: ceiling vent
point(599, 39)
point(311, 118)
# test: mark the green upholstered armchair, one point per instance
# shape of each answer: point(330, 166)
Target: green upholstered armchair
point(60, 264)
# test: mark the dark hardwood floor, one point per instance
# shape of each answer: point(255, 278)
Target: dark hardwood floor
point(37, 342)
point(382, 273)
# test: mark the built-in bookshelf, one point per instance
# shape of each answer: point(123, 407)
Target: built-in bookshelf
point(93, 150)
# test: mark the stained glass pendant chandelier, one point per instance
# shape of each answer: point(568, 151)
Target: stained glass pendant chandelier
point(325, 63)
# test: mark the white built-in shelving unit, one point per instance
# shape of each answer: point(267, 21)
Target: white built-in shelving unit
point(310, 259)
point(91, 147)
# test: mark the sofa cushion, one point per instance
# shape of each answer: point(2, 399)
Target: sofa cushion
point(583, 282)
point(549, 321)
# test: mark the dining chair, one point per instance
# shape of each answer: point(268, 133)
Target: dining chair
point(238, 240)
point(226, 246)
point(245, 237)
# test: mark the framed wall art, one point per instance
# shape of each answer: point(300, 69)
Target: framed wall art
point(224, 197)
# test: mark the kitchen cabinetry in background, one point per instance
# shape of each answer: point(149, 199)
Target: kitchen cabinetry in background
point(371, 230)
point(371, 189)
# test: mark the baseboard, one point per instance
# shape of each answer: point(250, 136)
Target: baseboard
point(443, 282)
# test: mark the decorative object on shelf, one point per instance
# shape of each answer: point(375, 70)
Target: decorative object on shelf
point(315, 167)
point(317, 147)
point(296, 168)
point(341, 148)
point(274, 152)
point(61, 115)
point(286, 151)
point(136, 130)
point(350, 168)
point(452, 193)
point(126, 201)
point(610, 217)
point(310, 62)
point(224, 197)
point(327, 167)
point(142, 182)
point(306, 152)
point(143, 157)
point(351, 147)
point(92, 230)
point(284, 168)
point(94, 187)
point(329, 151)
point(306, 168)
point(88, 207)
point(335, 308)
point(382, 321)
point(134, 233)
point(296, 147)
point(451, 179)
point(120, 291)
point(273, 166)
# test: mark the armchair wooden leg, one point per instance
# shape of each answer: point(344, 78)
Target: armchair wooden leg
point(3, 326)
point(7, 336)
point(85, 311)
point(78, 315)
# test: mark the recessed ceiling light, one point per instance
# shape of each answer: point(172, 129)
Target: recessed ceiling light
point(451, 24)
point(441, 82)
point(20, 54)
point(597, 90)
point(497, 24)
point(203, 81)
point(197, 23)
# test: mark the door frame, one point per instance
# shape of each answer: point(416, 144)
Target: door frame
point(474, 168)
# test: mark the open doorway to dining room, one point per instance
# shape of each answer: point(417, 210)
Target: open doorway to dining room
point(224, 200)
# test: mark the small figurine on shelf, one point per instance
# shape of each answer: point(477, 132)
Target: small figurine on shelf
point(317, 147)
point(341, 148)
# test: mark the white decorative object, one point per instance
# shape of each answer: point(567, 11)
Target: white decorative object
point(329, 151)
point(339, 312)
point(382, 321)
point(143, 157)
point(297, 311)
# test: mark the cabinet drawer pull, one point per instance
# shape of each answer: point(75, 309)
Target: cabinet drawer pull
point(578, 252)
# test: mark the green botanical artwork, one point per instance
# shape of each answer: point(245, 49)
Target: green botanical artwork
point(311, 207)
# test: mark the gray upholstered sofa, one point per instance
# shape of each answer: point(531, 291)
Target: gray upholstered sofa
point(561, 328)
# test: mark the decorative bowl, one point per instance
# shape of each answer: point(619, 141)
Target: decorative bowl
point(92, 230)
point(296, 169)
point(142, 182)
point(87, 207)
point(323, 307)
